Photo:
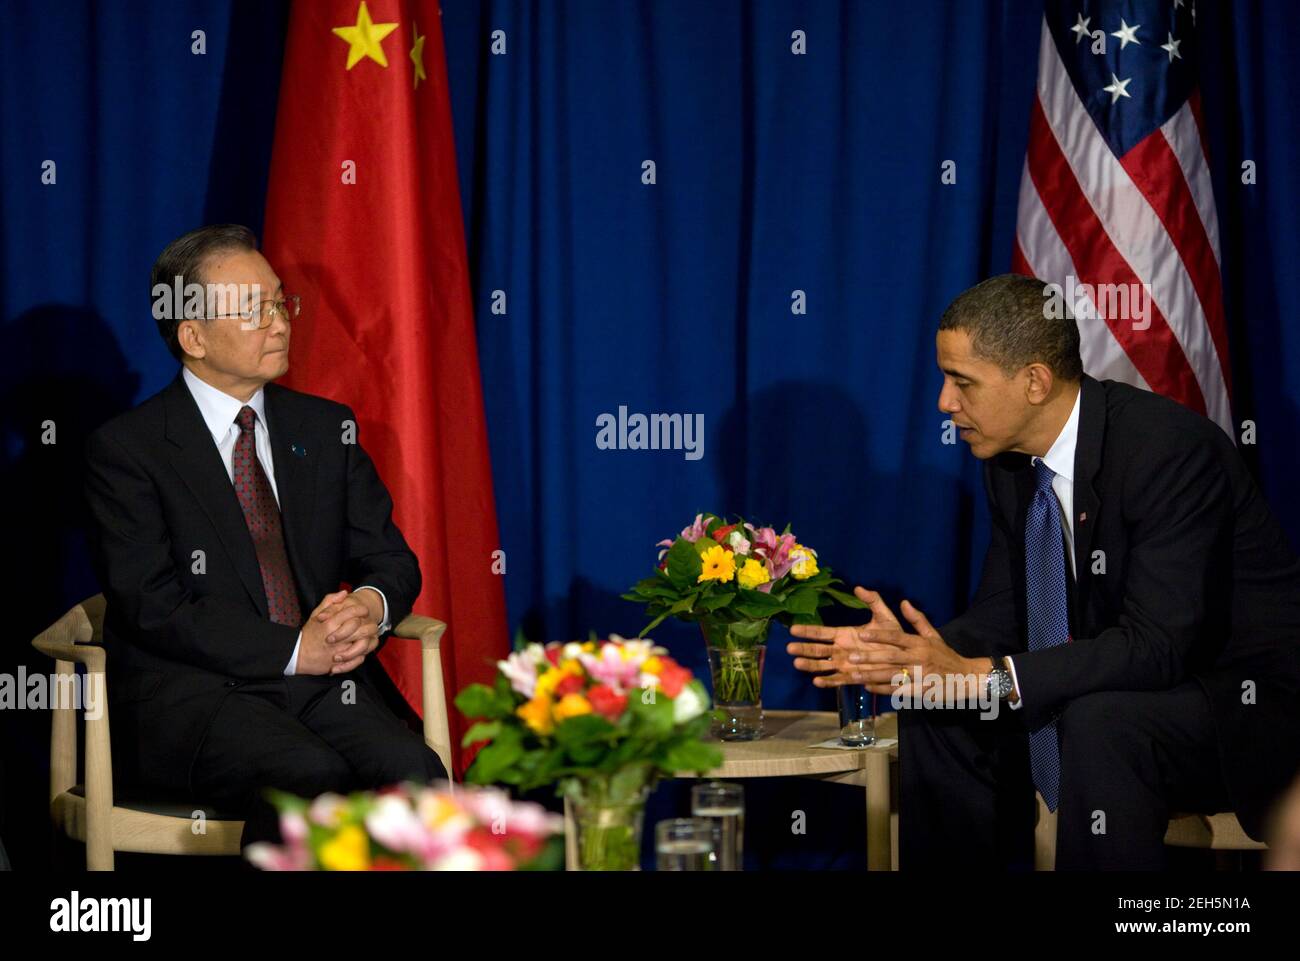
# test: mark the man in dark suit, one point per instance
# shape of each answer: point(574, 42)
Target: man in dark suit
point(1137, 619)
point(227, 512)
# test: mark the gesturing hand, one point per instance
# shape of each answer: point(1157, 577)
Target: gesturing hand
point(876, 654)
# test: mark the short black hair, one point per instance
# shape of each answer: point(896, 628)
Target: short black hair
point(184, 258)
point(1010, 324)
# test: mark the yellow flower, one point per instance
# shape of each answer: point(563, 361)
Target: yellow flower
point(537, 714)
point(571, 705)
point(652, 665)
point(805, 562)
point(753, 574)
point(719, 565)
point(349, 850)
point(546, 683)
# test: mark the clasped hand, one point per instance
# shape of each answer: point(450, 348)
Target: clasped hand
point(340, 632)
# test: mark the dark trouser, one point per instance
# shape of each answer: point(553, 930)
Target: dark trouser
point(305, 735)
point(1128, 759)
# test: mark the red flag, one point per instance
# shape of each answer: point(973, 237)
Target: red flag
point(364, 221)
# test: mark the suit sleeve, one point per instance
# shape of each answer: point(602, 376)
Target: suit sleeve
point(377, 553)
point(1180, 546)
point(988, 626)
point(136, 565)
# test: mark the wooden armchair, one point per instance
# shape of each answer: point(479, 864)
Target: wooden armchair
point(1218, 832)
point(87, 812)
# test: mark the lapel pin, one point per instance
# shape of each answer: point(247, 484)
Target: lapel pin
point(1083, 517)
point(298, 450)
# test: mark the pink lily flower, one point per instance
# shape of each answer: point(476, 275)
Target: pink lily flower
point(762, 537)
point(779, 562)
point(696, 530)
point(610, 668)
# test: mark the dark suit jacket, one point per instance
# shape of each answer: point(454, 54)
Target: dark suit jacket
point(1199, 582)
point(181, 635)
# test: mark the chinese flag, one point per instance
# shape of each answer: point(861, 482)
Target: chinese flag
point(364, 221)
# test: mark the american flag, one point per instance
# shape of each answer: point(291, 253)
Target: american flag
point(1116, 198)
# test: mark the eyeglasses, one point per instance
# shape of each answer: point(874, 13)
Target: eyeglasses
point(263, 315)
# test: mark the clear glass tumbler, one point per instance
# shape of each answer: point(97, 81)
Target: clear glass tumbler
point(722, 804)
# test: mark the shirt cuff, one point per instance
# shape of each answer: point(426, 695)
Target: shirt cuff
point(1011, 666)
point(384, 626)
point(293, 660)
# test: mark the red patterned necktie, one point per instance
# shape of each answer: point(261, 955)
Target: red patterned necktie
point(262, 515)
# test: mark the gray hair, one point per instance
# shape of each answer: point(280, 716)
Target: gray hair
point(184, 258)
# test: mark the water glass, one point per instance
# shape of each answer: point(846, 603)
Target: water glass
point(722, 804)
point(684, 844)
point(857, 715)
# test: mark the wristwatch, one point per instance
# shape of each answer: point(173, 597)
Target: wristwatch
point(999, 683)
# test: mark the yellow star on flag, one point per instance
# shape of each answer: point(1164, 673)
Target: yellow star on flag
point(364, 39)
point(417, 55)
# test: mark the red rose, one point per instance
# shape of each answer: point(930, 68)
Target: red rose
point(553, 655)
point(490, 848)
point(605, 702)
point(572, 684)
point(720, 534)
point(673, 677)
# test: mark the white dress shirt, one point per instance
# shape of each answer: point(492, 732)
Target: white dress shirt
point(220, 411)
point(1060, 461)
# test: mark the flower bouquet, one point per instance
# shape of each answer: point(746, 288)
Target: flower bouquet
point(602, 719)
point(412, 828)
point(735, 579)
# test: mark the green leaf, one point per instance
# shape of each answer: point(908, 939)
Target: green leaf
point(802, 601)
point(483, 731)
point(718, 601)
point(654, 718)
point(684, 566)
point(685, 604)
point(491, 763)
point(479, 700)
point(848, 600)
point(653, 624)
point(693, 755)
point(657, 586)
point(583, 729)
point(627, 780)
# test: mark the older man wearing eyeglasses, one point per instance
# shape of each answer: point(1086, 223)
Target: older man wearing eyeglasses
point(227, 511)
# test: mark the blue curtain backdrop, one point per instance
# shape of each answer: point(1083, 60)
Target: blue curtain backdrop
point(775, 172)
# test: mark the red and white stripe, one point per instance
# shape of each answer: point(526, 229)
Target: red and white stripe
point(1147, 218)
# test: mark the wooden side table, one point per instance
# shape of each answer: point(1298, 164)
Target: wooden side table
point(784, 751)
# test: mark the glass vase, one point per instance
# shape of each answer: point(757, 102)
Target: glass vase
point(607, 820)
point(736, 653)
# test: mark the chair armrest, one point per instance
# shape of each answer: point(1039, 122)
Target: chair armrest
point(92, 655)
point(437, 724)
point(67, 640)
point(426, 629)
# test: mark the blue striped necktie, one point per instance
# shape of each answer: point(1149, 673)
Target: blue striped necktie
point(1049, 621)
